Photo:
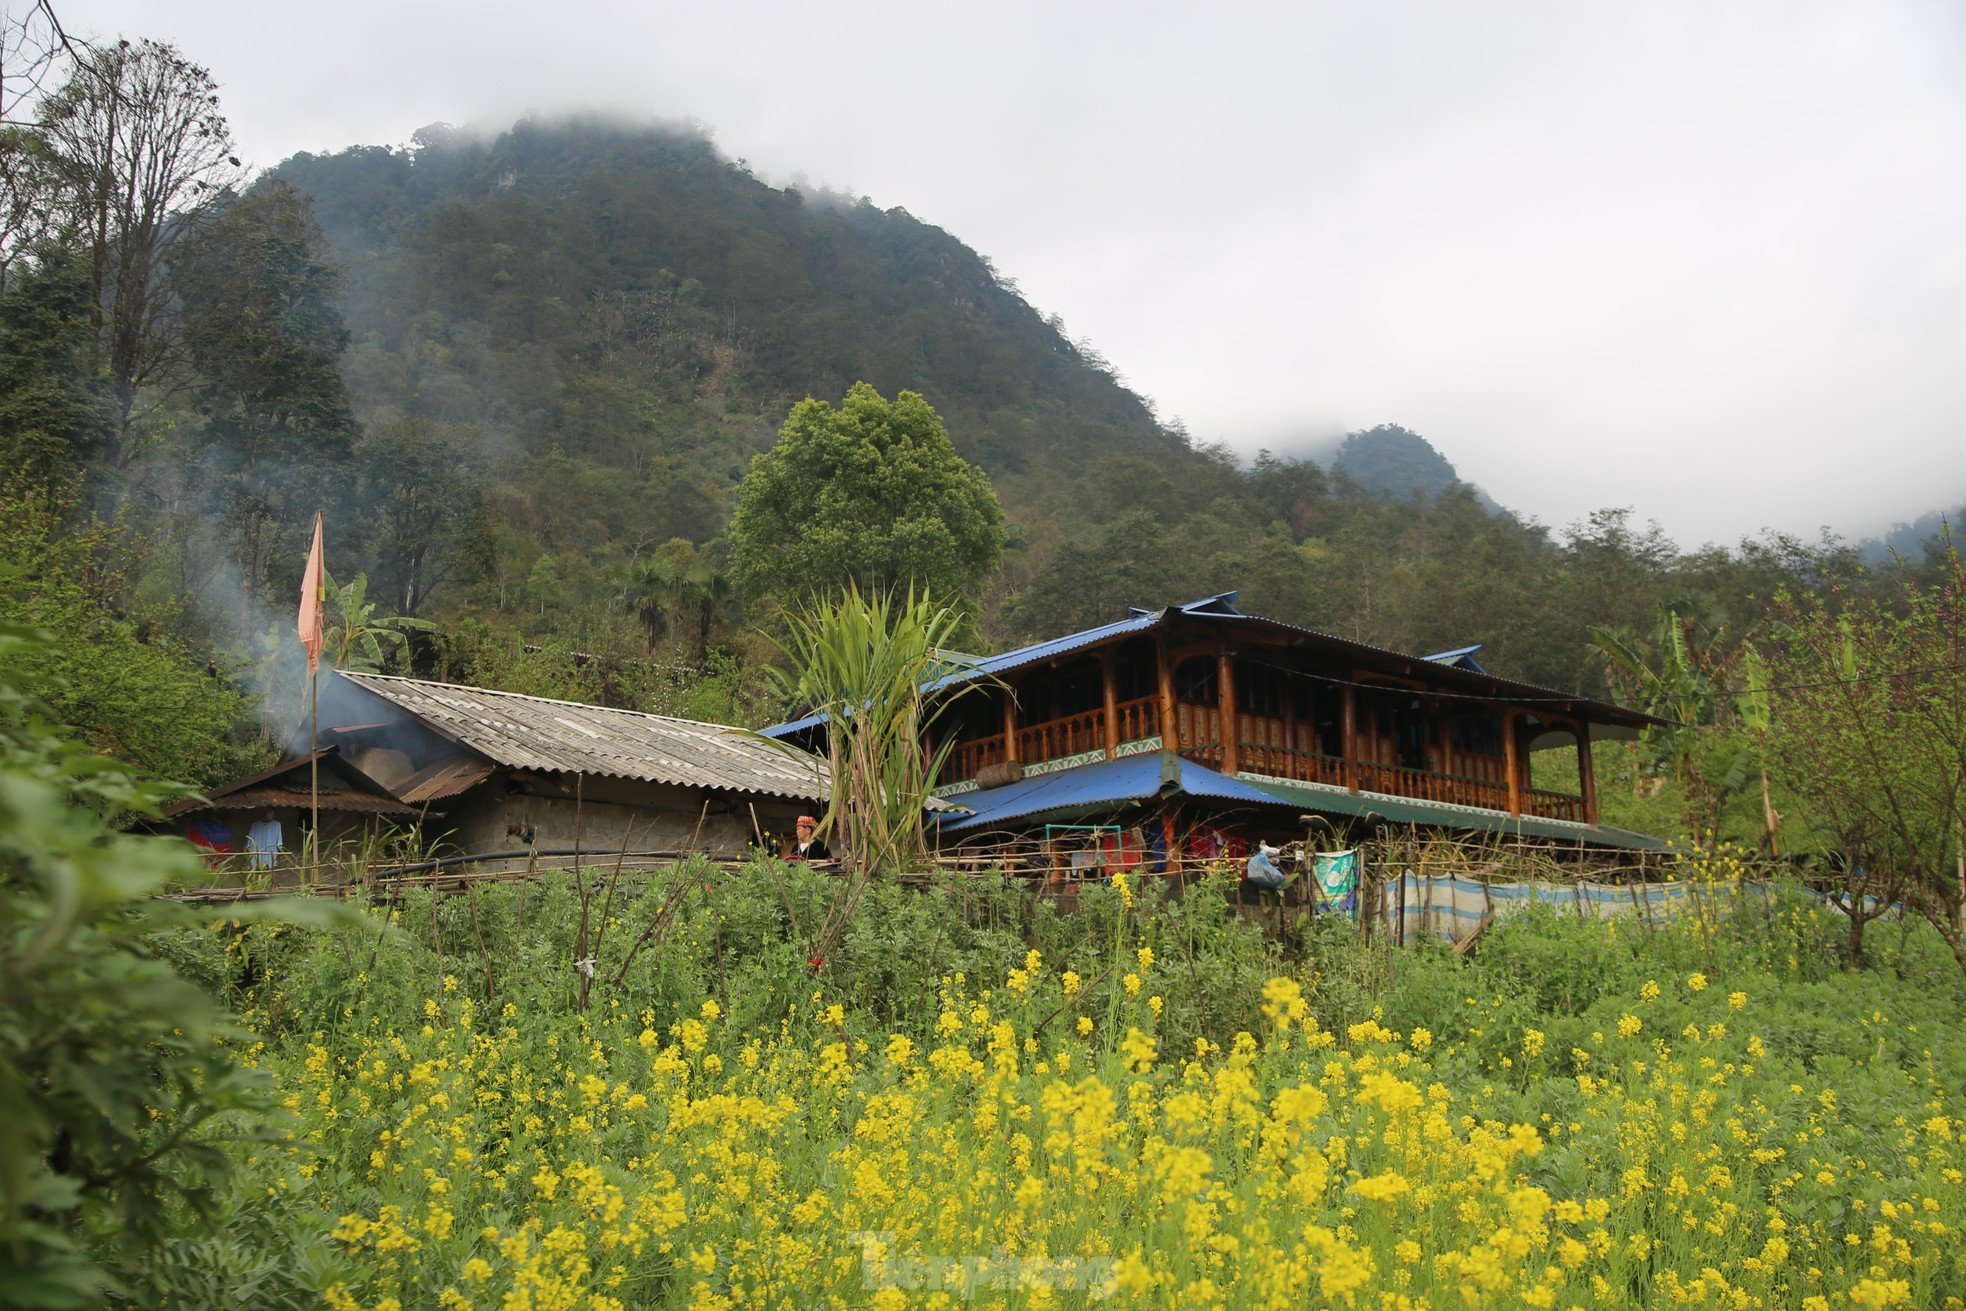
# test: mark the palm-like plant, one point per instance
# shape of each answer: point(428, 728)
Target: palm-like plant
point(1684, 682)
point(669, 597)
point(867, 663)
point(354, 637)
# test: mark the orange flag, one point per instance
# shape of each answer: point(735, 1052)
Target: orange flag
point(313, 587)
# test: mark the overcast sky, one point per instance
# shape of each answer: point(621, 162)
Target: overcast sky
point(1706, 260)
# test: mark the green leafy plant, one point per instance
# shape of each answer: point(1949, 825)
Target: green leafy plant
point(867, 663)
point(115, 1084)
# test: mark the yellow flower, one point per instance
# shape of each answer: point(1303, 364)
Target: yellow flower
point(1696, 982)
point(1070, 980)
point(1383, 1187)
point(1085, 1025)
point(1738, 1000)
point(1132, 983)
point(1629, 1025)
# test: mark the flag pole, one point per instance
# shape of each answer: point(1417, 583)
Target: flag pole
point(313, 770)
point(313, 587)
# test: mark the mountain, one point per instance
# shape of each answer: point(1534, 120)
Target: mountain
point(1909, 540)
point(568, 340)
point(1399, 463)
point(626, 299)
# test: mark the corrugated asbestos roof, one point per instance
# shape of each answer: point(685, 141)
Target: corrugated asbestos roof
point(330, 799)
point(444, 780)
point(566, 737)
point(257, 791)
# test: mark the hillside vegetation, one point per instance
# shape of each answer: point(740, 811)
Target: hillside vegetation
point(523, 373)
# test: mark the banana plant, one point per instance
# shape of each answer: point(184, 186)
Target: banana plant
point(1756, 707)
point(355, 637)
point(1683, 684)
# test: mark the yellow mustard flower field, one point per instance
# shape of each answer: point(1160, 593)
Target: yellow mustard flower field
point(1151, 1106)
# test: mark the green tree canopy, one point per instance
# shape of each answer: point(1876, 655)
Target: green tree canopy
point(55, 411)
point(873, 495)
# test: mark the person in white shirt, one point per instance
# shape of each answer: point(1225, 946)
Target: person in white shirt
point(264, 840)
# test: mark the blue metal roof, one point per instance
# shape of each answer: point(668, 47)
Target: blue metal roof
point(1461, 657)
point(1136, 621)
point(1440, 814)
point(1106, 783)
point(1130, 780)
point(1225, 606)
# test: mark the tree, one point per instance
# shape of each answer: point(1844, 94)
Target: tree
point(425, 491)
point(676, 592)
point(1869, 727)
point(1682, 681)
point(141, 152)
point(55, 413)
point(36, 57)
point(262, 321)
point(871, 495)
point(115, 672)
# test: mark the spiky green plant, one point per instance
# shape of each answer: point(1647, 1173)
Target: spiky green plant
point(868, 662)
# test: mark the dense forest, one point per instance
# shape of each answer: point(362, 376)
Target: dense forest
point(523, 373)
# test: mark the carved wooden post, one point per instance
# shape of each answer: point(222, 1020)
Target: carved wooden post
point(1586, 781)
point(1226, 717)
point(1348, 733)
point(1009, 724)
point(1109, 691)
point(1512, 760)
point(1170, 731)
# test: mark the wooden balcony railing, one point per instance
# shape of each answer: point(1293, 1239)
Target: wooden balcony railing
point(1139, 718)
point(1069, 736)
point(1552, 805)
point(1201, 742)
point(1288, 762)
point(1058, 738)
point(967, 759)
point(1450, 789)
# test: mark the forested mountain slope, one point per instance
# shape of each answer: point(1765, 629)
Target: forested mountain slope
point(600, 324)
point(621, 316)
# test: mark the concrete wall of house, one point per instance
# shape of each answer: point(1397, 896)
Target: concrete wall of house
point(608, 816)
